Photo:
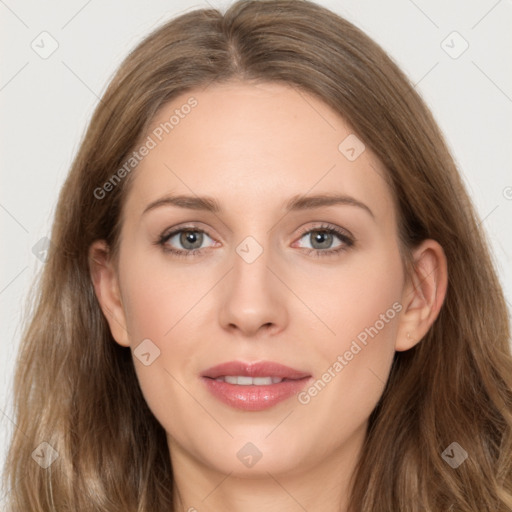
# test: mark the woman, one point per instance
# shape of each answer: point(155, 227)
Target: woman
point(267, 290)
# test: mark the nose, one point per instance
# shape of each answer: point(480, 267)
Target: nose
point(253, 298)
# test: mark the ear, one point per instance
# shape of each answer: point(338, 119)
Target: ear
point(423, 294)
point(106, 287)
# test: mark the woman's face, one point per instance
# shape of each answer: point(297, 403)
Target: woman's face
point(271, 275)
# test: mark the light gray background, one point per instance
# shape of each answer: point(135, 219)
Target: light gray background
point(47, 103)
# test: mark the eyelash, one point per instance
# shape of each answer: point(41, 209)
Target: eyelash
point(348, 241)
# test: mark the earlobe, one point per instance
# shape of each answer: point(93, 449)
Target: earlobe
point(106, 287)
point(423, 294)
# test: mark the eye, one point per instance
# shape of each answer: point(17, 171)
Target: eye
point(326, 240)
point(184, 241)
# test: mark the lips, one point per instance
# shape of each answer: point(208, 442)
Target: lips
point(253, 386)
point(258, 369)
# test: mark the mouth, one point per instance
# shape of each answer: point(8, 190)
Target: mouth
point(253, 386)
point(242, 380)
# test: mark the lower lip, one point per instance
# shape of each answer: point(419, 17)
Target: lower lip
point(254, 398)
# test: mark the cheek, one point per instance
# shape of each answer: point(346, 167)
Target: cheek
point(159, 305)
point(156, 314)
point(156, 297)
point(356, 360)
point(358, 301)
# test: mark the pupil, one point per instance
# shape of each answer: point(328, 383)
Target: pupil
point(323, 238)
point(191, 237)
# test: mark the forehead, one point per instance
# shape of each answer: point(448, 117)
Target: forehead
point(242, 142)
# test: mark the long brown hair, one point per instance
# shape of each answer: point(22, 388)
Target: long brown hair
point(76, 389)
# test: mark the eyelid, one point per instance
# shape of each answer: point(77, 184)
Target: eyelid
point(187, 226)
point(167, 235)
point(326, 226)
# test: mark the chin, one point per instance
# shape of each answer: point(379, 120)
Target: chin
point(244, 458)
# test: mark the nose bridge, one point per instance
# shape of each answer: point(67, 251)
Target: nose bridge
point(250, 279)
point(252, 296)
point(250, 265)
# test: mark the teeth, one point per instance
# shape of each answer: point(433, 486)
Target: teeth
point(242, 380)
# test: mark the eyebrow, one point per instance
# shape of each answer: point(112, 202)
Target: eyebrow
point(296, 203)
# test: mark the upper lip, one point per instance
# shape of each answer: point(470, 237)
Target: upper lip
point(254, 369)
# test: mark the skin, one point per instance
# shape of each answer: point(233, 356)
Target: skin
point(253, 147)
